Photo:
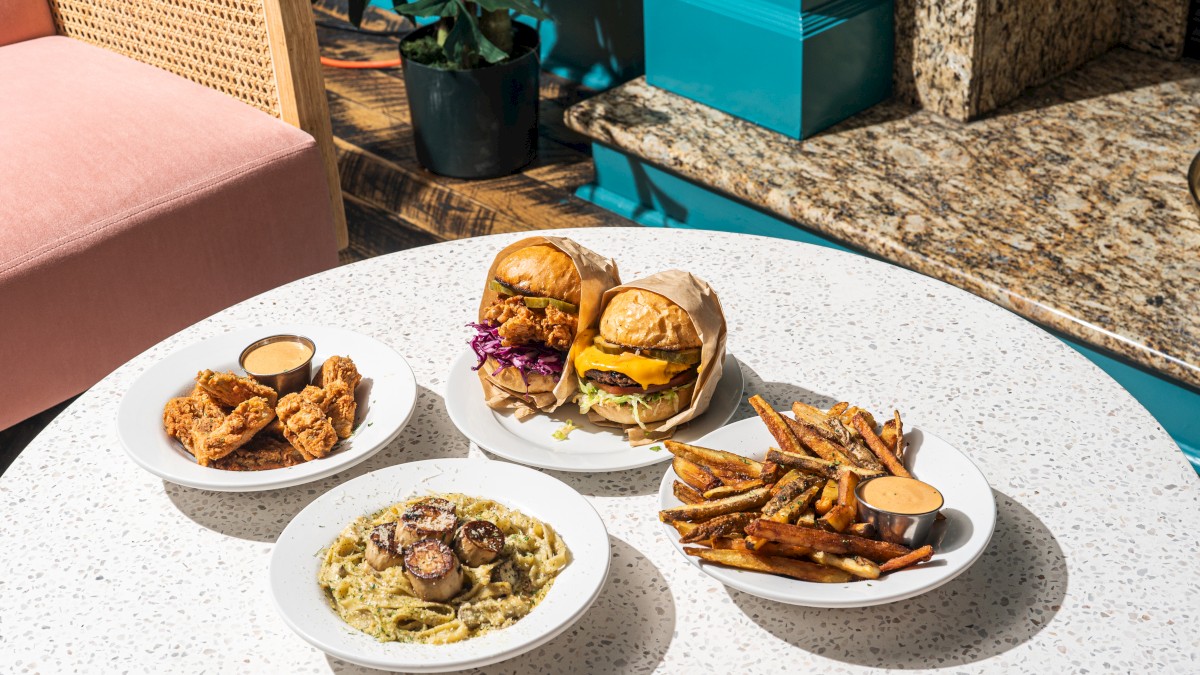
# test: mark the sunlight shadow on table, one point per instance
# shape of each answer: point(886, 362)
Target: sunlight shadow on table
point(780, 395)
point(1005, 599)
point(628, 629)
point(261, 516)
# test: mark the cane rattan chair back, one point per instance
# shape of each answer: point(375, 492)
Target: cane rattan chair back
point(263, 52)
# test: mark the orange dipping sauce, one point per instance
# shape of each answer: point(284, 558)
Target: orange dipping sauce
point(276, 357)
point(897, 494)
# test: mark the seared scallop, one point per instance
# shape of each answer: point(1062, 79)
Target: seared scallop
point(382, 549)
point(430, 519)
point(433, 570)
point(478, 542)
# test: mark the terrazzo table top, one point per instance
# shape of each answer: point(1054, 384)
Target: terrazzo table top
point(1092, 565)
point(1068, 206)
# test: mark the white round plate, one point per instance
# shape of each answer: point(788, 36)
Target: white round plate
point(386, 398)
point(589, 448)
point(303, 605)
point(970, 512)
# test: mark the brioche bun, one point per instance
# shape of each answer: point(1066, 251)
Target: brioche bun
point(645, 320)
point(510, 378)
point(663, 408)
point(541, 271)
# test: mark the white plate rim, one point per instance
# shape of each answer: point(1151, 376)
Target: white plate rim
point(484, 434)
point(132, 412)
point(737, 578)
point(494, 471)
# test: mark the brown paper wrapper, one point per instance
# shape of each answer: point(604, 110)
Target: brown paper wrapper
point(701, 303)
point(597, 275)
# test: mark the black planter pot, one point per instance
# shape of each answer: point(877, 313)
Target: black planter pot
point(476, 123)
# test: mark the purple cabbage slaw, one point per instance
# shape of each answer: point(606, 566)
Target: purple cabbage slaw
point(525, 358)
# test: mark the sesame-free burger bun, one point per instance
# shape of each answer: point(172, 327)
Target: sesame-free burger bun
point(645, 320)
point(661, 409)
point(541, 271)
point(510, 378)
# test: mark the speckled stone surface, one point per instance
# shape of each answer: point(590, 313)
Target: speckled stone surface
point(1156, 26)
point(1091, 568)
point(935, 54)
point(1069, 206)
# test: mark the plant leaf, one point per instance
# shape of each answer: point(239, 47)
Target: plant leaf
point(526, 7)
point(466, 38)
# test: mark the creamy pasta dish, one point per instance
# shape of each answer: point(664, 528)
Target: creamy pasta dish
point(440, 569)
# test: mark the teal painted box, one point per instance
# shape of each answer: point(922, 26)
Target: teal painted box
point(793, 66)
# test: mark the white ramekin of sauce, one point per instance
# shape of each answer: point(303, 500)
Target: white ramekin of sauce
point(903, 510)
point(282, 362)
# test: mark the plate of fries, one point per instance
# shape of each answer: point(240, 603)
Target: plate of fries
point(768, 506)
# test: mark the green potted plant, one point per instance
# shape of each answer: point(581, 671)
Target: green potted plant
point(472, 83)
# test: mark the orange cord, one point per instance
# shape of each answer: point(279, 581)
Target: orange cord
point(337, 63)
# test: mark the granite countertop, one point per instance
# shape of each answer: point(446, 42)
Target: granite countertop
point(1093, 575)
point(1068, 206)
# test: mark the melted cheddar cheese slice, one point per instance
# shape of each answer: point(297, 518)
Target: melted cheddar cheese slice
point(641, 369)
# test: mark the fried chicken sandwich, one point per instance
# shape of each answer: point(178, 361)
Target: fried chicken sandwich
point(524, 336)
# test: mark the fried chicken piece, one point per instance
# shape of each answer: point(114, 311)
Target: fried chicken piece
point(230, 391)
point(238, 427)
point(192, 418)
point(336, 400)
point(521, 325)
point(261, 453)
point(306, 426)
point(338, 369)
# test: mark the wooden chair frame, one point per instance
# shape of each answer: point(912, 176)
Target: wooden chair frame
point(263, 52)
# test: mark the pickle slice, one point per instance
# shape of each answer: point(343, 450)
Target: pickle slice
point(682, 356)
point(533, 301)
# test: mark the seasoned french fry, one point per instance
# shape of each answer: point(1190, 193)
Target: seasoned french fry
point(865, 530)
point(683, 527)
point(856, 565)
point(765, 548)
point(847, 482)
point(720, 526)
point(713, 459)
point(818, 444)
point(900, 445)
point(787, 567)
point(748, 501)
point(686, 493)
point(816, 465)
point(900, 562)
point(807, 413)
point(837, 409)
point(848, 414)
point(800, 504)
point(734, 489)
point(807, 519)
point(888, 435)
point(827, 499)
point(728, 477)
point(837, 519)
point(881, 451)
point(777, 426)
point(783, 482)
point(694, 475)
point(789, 492)
point(830, 542)
point(771, 472)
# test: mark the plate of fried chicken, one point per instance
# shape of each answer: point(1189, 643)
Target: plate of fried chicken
point(197, 419)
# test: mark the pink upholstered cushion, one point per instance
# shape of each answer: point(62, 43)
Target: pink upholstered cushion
point(132, 204)
point(24, 20)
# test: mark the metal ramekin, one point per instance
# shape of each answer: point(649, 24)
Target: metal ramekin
point(287, 382)
point(907, 529)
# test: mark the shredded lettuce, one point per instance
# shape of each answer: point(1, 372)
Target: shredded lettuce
point(525, 358)
point(564, 431)
point(591, 395)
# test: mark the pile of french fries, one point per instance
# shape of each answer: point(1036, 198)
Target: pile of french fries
point(793, 513)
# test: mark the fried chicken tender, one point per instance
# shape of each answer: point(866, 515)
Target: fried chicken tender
point(306, 426)
point(261, 453)
point(192, 418)
point(521, 325)
point(338, 369)
point(238, 427)
point(230, 391)
point(336, 400)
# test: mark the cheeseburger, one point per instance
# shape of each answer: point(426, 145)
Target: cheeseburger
point(642, 366)
point(524, 336)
